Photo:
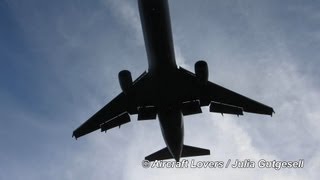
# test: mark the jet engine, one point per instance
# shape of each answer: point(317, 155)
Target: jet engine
point(125, 80)
point(201, 71)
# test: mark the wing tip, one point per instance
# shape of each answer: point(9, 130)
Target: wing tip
point(74, 135)
point(273, 112)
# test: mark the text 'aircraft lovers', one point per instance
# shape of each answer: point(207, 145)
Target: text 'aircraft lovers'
point(166, 90)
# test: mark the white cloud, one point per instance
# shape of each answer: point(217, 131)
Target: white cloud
point(127, 14)
point(291, 134)
point(286, 89)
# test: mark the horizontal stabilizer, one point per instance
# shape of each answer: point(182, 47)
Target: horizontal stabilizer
point(159, 155)
point(187, 151)
point(225, 108)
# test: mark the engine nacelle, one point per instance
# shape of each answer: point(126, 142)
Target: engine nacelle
point(201, 71)
point(125, 80)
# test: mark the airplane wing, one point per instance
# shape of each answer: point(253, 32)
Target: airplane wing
point(192, 94)
point(221, 100)
point(115, 113)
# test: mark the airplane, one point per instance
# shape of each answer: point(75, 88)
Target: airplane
point(167, 91)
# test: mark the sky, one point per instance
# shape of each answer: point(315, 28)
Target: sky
point(59, 62)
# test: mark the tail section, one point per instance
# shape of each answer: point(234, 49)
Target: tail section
point(187, 151)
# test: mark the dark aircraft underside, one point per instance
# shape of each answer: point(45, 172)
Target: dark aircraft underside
point(167, 91)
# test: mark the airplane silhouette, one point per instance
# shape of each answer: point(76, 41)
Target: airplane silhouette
point(167, 90)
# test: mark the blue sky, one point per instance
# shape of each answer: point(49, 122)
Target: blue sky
point(59, 62)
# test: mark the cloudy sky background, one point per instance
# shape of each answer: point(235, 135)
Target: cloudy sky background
point(59, 62)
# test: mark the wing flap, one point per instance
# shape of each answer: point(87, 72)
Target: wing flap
point(190, 107)
point(147, 113)
point(116, 121)
point(225, 108)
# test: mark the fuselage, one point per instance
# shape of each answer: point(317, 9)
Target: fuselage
point(156, 26)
